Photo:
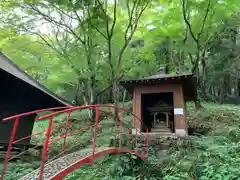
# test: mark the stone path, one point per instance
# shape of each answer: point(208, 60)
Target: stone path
point(53, 167)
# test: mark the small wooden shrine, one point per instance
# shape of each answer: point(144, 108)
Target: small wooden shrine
point(160, 108)
point(160, 101)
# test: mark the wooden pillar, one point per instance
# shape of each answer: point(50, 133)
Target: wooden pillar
point(137, 109)
point(179, 112)
point(155, 119)
point(167, 118)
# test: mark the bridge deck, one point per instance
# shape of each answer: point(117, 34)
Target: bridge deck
point(53, 167)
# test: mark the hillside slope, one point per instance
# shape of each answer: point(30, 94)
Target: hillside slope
point(213, 156)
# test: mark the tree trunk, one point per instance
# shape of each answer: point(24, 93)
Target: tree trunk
point(89, 97)
point(124, 96)
point(197, 102)
point(115, 92)
point(92, 96)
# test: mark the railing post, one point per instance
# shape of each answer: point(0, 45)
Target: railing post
point(95, 132)
point(129, 132)
point(67, 124)
point(9, 147)
point(45, 149)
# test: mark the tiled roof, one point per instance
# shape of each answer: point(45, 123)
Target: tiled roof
point(156, 77)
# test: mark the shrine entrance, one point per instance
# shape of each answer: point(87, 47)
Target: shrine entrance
point(157, 112)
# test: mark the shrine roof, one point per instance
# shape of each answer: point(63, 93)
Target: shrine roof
point(188, 82)
point(156, 77)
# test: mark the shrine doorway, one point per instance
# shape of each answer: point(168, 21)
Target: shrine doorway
point(157, 111)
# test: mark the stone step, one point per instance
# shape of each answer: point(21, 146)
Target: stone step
point(160, 130)
point(160, 126)
point(152, 136)
point(161, 153)
point(158, 133)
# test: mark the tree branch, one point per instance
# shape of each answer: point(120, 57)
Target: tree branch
point(130, 17)
point(51, 20)
point(204, 19)
point(114, 17)
point(132, 24)
point(187, 21)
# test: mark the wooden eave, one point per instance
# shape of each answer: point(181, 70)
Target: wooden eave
point(188, 82)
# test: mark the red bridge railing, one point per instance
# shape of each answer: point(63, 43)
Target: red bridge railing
point(109, 135)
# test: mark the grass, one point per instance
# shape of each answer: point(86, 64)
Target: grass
point(214, 156)
point(215, 116)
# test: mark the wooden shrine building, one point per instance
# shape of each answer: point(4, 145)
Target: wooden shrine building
point(21, 93)
point(160, 101)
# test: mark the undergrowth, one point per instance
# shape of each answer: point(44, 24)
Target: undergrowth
point(214, 156)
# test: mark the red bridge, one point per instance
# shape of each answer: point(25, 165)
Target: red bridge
point(107, 135)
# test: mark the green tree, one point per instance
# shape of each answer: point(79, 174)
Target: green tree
point(119, 16)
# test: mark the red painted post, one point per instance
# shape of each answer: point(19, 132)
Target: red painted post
point(67, 124)
point(129, 132)
point(45, 149)
point(9, 147)
point(95, 132)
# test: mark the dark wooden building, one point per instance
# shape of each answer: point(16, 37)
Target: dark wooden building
point(21, 93)
point(160, 101)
